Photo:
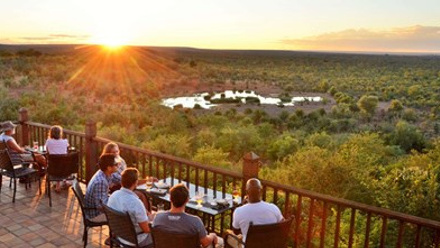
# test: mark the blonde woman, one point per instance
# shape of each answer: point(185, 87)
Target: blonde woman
point(55, 144)
point(115, 181)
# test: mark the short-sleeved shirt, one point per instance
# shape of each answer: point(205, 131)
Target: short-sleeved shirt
point(125, 200)
point(259, 213)
point(181, 223)
point(5, 138)
point(16, 157)
point(57, 146)
point(97, 192)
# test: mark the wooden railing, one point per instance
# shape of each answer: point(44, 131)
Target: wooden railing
point(320, 220)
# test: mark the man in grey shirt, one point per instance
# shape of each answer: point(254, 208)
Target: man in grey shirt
point(177, 221)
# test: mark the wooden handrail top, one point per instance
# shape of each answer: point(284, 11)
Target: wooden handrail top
point(173, 158)
point(356, 205)
point(66, 131)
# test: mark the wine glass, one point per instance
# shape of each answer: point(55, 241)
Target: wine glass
point(160, 207)
point(199, 198)
point(235, 194)
point(149, 182)
point(35, 145)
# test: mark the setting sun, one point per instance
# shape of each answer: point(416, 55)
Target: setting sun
point(111, 27)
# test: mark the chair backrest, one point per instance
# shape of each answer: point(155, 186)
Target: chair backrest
point(120, 224)
point(63, 165)
point(5, 161)
point(80, 197)
point(14, 157)
point(163, 239)
point(269, 236)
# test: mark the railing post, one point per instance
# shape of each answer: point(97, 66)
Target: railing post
point(91, 151)
point(251, 165)
point(23, 117)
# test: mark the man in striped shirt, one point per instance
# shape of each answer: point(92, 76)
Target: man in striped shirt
point(98, 188)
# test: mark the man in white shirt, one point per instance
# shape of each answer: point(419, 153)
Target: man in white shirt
point(256, 211)
point(125, 200)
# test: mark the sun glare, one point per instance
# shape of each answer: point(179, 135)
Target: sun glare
point(113, 27)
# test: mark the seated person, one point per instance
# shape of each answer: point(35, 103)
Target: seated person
point(256, 211)
point(177, 221)
point(97, 189)
point(55, 144)
point(115, 181)
point(125, 200)
point(113, 148)
point(16, 151)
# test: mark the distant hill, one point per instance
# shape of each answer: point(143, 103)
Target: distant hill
point(68, 48)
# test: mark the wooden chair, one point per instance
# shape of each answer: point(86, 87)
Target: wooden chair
point(268, 236)
point(18, 171)
point(87, 223)
point(60, 167)
point(162, 239)
point(122, 227)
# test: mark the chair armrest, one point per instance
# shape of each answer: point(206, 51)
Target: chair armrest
point(86, 208)
point(234, 237)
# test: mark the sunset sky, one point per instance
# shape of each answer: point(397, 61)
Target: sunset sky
point(329, 25)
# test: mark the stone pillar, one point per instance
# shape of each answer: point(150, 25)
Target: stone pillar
point(23, 117)
point(91, 149)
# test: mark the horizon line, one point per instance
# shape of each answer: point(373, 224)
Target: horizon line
point(366, 52)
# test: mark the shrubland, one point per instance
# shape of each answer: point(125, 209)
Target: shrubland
point(378, 144)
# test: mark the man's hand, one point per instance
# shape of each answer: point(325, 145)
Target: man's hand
point(151, 215)
point(214, 238)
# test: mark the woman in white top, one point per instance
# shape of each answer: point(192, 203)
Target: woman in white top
point(55, 144)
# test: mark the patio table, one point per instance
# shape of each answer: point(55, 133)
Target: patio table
point(207, 211)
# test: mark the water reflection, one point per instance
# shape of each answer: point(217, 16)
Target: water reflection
point(206, 101)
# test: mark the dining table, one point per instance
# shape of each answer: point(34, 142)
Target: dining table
point(215, 203)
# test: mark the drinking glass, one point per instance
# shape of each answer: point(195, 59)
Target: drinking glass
point(235, 194)
point(149, 182)
point(35, 145)
point(160, 207)
point(199, 198)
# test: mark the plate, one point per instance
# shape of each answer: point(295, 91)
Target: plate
point(142, 187)
point(161, 192)
point(162, 185)
point(222, 201)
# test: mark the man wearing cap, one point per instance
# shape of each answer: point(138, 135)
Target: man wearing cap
point(98, 188)
point(8, 129)
point(255, 211)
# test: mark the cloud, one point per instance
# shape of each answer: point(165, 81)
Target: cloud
point(70, 36)
point(406, 39)
point(51, 38)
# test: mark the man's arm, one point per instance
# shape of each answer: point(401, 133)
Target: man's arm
point(101, 196)
point(12, 144)
point(144, 226)
point(209, 239)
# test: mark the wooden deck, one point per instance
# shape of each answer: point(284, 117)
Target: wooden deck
point(30, 222)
